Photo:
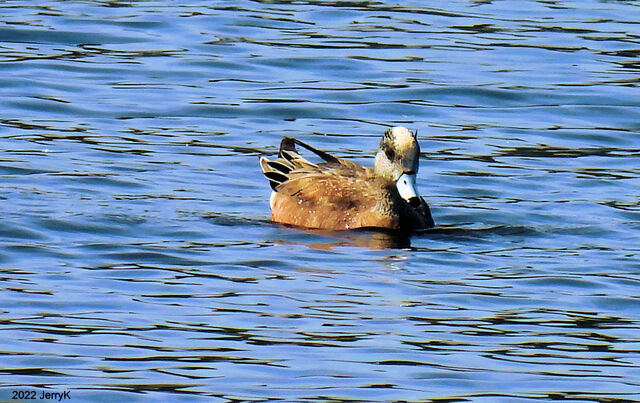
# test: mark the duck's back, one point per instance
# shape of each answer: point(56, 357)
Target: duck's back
point(334, 196)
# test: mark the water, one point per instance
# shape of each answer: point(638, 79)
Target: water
point(137, 257)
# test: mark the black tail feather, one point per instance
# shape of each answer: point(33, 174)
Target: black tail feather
point(280, 167)
point(276, 176)
point(287, 144)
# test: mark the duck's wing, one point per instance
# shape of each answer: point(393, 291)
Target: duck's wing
point(344, 189)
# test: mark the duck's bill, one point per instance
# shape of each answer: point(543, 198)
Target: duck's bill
point(406, 185)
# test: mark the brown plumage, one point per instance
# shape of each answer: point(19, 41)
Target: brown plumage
point(338, 194)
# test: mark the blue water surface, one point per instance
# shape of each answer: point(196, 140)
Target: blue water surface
point(138, 261)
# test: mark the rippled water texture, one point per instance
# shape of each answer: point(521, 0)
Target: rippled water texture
point(137, 260)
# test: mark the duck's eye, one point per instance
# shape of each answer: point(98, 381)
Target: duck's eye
point(390, 153)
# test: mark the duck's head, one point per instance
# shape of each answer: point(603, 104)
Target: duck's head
point(397, 160)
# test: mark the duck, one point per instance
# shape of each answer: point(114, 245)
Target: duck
point(337, 194)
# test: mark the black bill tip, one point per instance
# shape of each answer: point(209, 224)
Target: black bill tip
point(415, 202)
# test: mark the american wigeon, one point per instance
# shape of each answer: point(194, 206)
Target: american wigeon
point(338, 194)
